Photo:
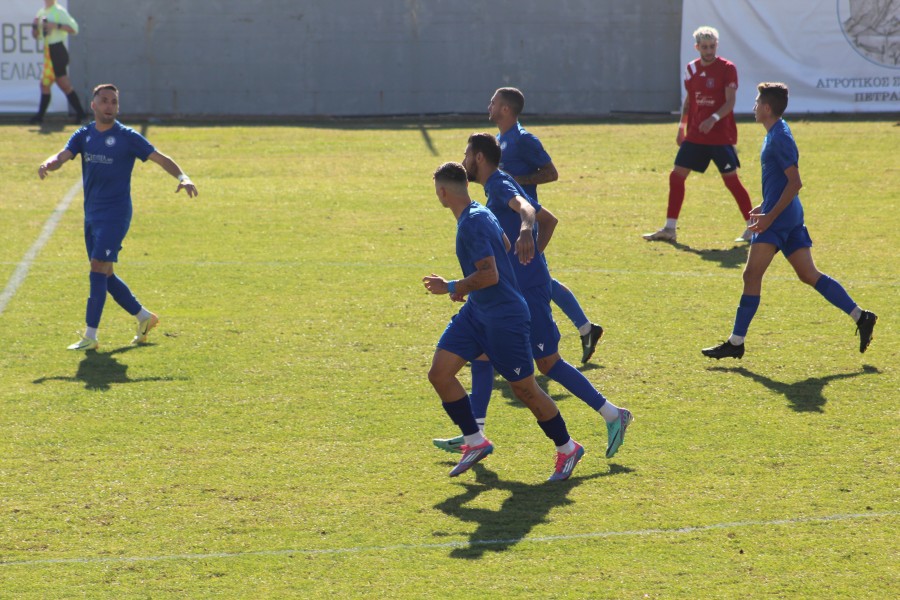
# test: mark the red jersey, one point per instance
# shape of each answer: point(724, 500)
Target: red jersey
point(705, 86)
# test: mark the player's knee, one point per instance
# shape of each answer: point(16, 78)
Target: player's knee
point(546, 364)
point(809, 277)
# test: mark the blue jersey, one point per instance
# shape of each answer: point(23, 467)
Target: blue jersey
point(500, 188)
point(779, 152)
point(523, 154)
point(478, 236)
point(107, 159)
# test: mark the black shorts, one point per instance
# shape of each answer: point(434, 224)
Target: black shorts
point(696, 157)
point(59, 56)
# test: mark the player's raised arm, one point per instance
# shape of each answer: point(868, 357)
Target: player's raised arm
point(54, 162)
point(172, 168)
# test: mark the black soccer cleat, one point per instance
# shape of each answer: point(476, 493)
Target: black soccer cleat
point(589, 342)
point(864, 328)
point(724, 350)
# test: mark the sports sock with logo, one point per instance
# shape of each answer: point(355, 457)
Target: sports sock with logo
point(122, 295)
point(482, 386)
point(573, 380)
point(96, 300)
point(745, 312)
point(568, 303)
point(460, 412)
point(835, 293)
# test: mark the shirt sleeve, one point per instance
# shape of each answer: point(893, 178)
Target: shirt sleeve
point(731, 78)
point(785, 152)
point(477, 240)
point(141, 148)
point(69, 20)
point(75, 145)
point(533, 152)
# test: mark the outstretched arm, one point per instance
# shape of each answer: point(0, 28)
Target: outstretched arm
point(485, 275)
point(172, 168)
point(54, 162)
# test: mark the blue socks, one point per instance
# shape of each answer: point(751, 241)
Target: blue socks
point(482, 386)
point(573, 380)
point(555, 429)
point(568, 303)
point(96, 299)
point(835, 293)
point(460, 412)
point(122, 295)
point(745, 312)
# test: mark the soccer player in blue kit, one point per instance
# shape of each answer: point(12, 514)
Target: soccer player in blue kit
point(778, 226)
point(494, 321)
point(523, 156)
point(532, 225)
point(108, 150)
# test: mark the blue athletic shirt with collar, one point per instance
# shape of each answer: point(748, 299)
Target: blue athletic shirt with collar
point(478, 236)
point(500, 188)
point(523, 154)
point(107, 160)
point(779, 152)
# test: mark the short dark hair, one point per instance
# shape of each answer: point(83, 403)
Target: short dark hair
point(488, 145)
point(513, 98)
point(104, 86)
point(451, 172)
point(775, 95)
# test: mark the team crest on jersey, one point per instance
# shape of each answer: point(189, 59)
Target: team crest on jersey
point(88, 139)
point(711, 82)
point(110, 141)
point(503, 146)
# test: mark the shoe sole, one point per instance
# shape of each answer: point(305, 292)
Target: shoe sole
point(611, 451)
point(471, 463)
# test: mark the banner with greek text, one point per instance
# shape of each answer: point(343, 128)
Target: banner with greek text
point(22, 60)
point(834, 55)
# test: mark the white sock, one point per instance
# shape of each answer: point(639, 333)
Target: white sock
point(856, 313)
point(480, 425)
point(143, 315)
point(476, 439)
point(567, 448)
point(735, 340)
point(749, 222)
point(91, 333)
point(585, 329)
point(670, 223)
point(609, 411)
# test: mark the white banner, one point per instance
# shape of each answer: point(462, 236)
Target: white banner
point(834, 55)
point(22, 60)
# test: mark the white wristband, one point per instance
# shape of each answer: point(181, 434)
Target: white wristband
point(715, 117)
point(182, 177)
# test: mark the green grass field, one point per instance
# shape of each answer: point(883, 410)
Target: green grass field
point(273, 439)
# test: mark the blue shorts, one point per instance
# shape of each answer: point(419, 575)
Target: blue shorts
point(545, 334)
point(506, 343)
point(104, 239)
point(696, 157)
point(786, 240)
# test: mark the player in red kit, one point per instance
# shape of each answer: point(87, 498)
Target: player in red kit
point(707, 131)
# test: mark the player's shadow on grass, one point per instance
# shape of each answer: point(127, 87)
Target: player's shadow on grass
point(805, 395)
point(732, 258)
point(527, 506)
point(99, 371)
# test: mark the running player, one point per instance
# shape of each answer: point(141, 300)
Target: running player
point(532, 226)
point(707, 131)
point(108, 150)
point(493, 321)
point(524, 157)
point(778, 226)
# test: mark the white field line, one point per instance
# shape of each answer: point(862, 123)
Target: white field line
point(473, 543)
point(24, 265)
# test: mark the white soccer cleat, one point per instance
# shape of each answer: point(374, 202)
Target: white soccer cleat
point(745, 237)
point(84, 344)
point(144, 328)
point(666, 234)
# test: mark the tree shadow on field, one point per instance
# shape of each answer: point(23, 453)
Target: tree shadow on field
point(732, 258)
point(805, 395)
point(99, 371)
point(527, 506)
